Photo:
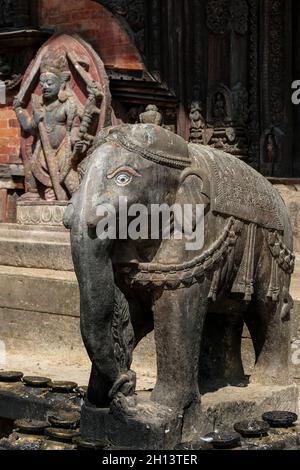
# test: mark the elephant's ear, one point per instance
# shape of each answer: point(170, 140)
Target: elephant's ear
point(194, 188)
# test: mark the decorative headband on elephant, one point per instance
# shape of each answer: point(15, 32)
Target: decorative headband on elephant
point(128, 287)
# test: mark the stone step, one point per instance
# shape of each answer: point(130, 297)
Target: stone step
point(39, 290)
point(34, 246)
point(40, 328)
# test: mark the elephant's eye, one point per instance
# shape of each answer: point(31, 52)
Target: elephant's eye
point(122, 179)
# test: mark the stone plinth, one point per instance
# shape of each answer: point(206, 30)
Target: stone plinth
point(154, 429)
point(40, 213)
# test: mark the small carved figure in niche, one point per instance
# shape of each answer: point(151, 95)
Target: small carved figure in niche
point(151, 115)
point(271, 150)
point(57, 130)
point(197, 123)
point(271, 147)
point(219, 109)
point(230, 134)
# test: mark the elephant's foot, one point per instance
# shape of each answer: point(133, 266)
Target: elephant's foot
point(123, 407)
point(176, 398)
point(122, 395)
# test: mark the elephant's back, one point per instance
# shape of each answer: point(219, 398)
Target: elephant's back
point(239, 190)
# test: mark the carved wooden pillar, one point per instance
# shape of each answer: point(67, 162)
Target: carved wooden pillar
point(296, 76)
point(17, 13)
point(275, 84)
point(227, 103)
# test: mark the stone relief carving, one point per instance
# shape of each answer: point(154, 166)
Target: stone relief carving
point(40, 214)
point(59, 119)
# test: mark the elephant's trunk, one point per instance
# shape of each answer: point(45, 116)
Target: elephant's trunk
point(94, 271)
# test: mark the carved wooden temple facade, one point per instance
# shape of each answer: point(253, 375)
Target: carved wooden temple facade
point(220, 72)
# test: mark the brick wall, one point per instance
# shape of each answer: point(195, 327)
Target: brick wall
point(9, 153)
point(97, 25)
point(9, 136)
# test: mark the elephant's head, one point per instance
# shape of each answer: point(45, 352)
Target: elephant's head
point(146, 164)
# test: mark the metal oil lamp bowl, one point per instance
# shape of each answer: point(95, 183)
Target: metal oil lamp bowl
point(280, 419)
point(252, 428)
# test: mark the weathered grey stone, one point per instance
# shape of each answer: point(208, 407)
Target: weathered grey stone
point(155, 428)
point(218, 410)
point(39, 290)
point(223, 408)
point(35, 247)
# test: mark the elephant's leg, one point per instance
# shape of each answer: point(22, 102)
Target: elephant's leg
point(178, 323)
point(269, 326)
point(220, 357)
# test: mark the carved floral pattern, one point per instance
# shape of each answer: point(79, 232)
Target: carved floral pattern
point(226, 15)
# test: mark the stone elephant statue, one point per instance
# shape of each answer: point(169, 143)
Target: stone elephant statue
point(197, 301)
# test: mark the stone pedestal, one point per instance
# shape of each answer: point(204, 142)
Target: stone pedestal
point(158, 428)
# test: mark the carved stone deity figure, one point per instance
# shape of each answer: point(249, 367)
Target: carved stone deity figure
point(197, 123)
point(219, 110)
point(63, 102)
point(54, 123)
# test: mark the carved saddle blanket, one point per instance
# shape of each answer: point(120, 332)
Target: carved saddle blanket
point(237, 189)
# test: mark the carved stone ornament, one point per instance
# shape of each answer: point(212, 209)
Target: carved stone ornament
point(151, 115)
point(227, 15)
point(64, 100)
point(41, 213)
